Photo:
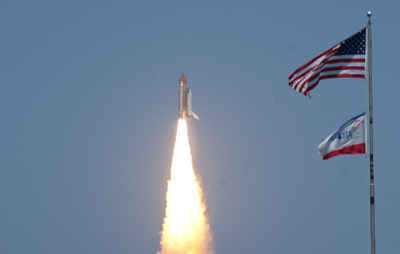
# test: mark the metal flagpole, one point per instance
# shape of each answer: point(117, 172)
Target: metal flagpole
point(370, 122)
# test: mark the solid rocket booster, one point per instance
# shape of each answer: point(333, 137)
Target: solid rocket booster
point(185, 99)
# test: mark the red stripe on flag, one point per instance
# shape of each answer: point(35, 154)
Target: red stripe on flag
point(361, 68)
point(354, 149)
point(343, 75)
point(348, 60)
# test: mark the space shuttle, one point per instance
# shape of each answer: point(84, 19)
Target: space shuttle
point(185, 100)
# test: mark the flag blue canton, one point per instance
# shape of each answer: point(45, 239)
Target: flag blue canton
point(354, 45)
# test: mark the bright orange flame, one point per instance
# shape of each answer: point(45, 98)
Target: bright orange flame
point(186, 229)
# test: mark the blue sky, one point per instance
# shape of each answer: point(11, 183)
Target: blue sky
point(88, 106)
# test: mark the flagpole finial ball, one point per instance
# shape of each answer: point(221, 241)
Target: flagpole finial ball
point(369, 14)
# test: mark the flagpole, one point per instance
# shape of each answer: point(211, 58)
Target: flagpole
point(370, 123)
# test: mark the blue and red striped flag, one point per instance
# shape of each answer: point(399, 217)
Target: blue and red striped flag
point(348, 139)
point(345, 59)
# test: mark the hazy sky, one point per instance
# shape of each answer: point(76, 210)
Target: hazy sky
point(88, 117)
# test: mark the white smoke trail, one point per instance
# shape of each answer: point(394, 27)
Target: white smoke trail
point(186, 229)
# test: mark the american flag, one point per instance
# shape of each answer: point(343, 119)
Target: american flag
point(346, 59)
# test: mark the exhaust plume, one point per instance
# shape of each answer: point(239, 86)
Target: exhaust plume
point(185, 229)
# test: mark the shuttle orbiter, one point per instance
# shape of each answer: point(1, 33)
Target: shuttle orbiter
point(185, 99)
